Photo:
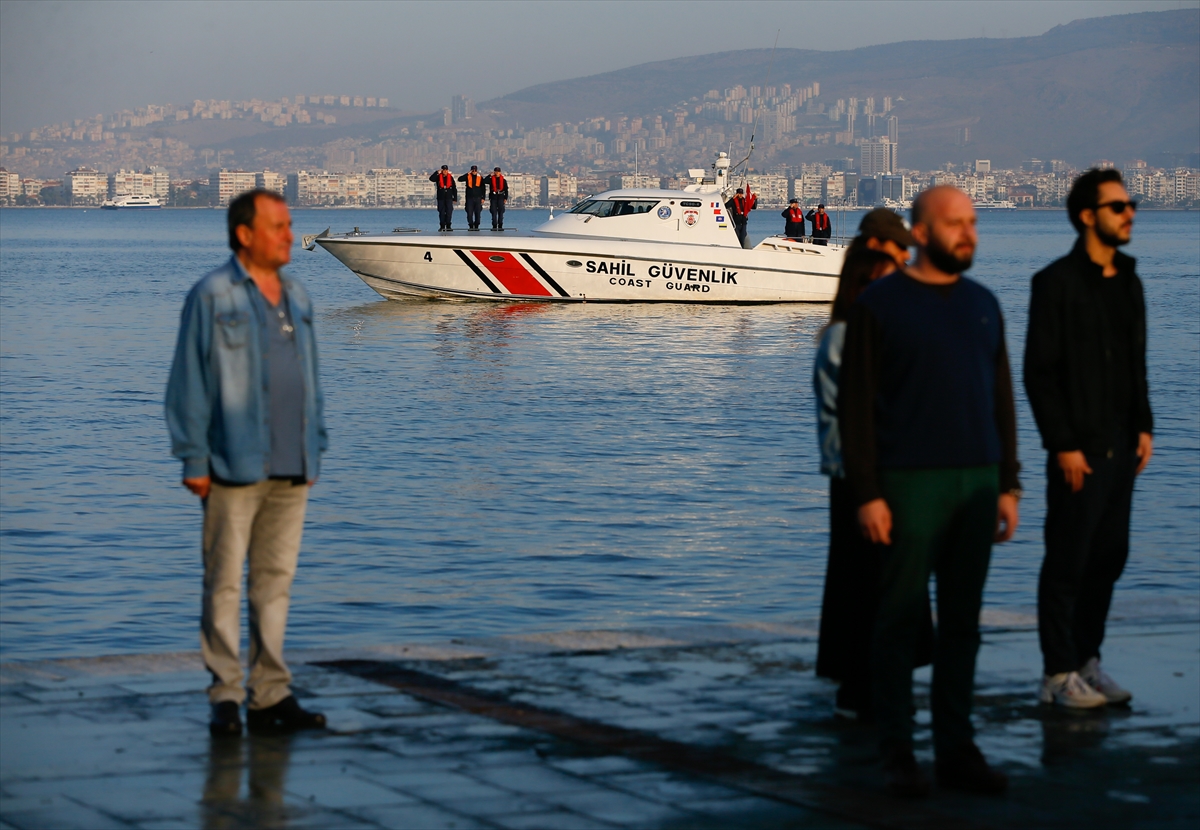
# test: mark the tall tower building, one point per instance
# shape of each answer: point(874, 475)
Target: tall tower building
point(893, 129)
point(461, 108)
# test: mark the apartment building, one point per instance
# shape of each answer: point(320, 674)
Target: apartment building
point(225, 185)
point(85, 186)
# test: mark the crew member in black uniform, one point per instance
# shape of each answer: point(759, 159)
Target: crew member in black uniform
point(821, 228)
point(793, 221)
point(739, 208)
point(497, 196)
point(473, 183)
point(447, 195)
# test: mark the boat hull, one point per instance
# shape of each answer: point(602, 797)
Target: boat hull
point(546, 269)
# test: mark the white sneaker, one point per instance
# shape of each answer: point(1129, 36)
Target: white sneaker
point(1070, 691)
point(1099, 680)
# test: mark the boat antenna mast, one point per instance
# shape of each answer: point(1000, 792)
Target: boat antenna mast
point(754, 129)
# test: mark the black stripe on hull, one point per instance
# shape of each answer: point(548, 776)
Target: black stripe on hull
point(541, 273)
point(479, 273)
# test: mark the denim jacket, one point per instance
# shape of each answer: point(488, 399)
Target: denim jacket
point(825, 384)
point(217, 404)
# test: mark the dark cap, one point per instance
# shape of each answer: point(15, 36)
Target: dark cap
point(882, 223)
point(793, 201)
point(821, 206)
point(497, 170)
point(445, 167)
point(474, 167)
point(739, 190)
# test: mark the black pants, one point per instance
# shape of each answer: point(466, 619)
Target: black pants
point(740, 229)
point(497, 209)
point(851, 602)
point(1087, 543)
point(820, 240)
point(445, 203)
point(474, 208)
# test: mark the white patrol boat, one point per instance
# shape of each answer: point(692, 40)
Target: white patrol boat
point(131, 203)
point(647, 245)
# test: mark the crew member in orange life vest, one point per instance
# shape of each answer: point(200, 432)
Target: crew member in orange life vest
point(739, 208)
point(447, 195)
point(474, 196)
point(793, 221)
point(497, 196)
point(820, 225)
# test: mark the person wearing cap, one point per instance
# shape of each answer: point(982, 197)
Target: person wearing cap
point(793, 221)
point(883, 230)
point(497, 189)
point(850, 600)
point(821, 228)
point(447, 195)
point(473, 183)
point(739, 208)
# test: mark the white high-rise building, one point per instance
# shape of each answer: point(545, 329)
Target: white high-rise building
point(85, 186)
point(878, 156)
point(227, 185)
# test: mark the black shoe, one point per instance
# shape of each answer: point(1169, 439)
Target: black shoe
point(226, 720)
point(284, 716)
point(902, 777)
point(966, 769)
point(853, 704)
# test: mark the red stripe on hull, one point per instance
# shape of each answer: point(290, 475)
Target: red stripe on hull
point(514, 276)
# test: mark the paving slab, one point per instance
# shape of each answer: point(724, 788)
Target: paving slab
point(670, 728)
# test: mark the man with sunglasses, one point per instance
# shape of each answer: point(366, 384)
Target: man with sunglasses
point(1085, 374)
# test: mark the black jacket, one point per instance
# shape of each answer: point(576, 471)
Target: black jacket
point(452, 189)
point(473, 192)
point(1067, 351)
point(820, 233)
point(495, 192)
point(791, 228)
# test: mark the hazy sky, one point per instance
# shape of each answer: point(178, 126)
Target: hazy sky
point(66, 60)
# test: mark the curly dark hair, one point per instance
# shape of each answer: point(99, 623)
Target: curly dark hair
point(1085, 193)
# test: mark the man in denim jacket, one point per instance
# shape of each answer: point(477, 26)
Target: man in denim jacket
point(244, 408)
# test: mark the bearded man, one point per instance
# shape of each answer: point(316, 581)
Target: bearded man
point(929, 446)
point(1085, 374)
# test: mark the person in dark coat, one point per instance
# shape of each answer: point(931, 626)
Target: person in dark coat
point(1085, 374)
point(447, 195)
point(474, 186)
point(821, 227)
point(793, 221)
point(851, 596)
point(739, 208)
point(497, 188)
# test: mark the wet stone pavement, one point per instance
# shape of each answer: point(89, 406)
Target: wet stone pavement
point(708, 727)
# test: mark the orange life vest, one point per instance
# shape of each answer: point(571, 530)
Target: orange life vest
point(445, 180)
point(500, 185)
point(795, 215)
point(820, 221)
point(474, 180)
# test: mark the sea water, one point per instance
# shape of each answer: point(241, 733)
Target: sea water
point(495, 469)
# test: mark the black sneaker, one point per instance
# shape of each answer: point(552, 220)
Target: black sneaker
point(902, 777)
point(226, 720)
point(966, 769)
point(284, 716)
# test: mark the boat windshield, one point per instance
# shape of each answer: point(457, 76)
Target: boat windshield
point(615, 207)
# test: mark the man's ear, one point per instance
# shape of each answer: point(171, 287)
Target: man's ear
point(1088, 217)
point(920, 233)
point(244, 234)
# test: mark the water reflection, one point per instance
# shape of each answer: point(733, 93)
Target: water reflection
point(1067, 735)
point(264, 759)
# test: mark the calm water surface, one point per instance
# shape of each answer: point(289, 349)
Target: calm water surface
point(493, 469)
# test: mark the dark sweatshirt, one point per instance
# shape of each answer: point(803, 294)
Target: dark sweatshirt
point(925, 383)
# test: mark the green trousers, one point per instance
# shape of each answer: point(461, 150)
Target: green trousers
point(943, 523)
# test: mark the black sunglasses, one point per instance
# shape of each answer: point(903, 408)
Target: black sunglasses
point(1119, 206)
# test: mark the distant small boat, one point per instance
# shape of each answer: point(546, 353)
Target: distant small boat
point(131, 203)
point(995, 204)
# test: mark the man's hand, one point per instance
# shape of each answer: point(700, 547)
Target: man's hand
point(199, 486)
point(1007, 512)
point(1144, 451)
point(1075, 467)
point(875, 519)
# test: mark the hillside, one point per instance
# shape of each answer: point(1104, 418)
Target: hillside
point(1114, 87)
